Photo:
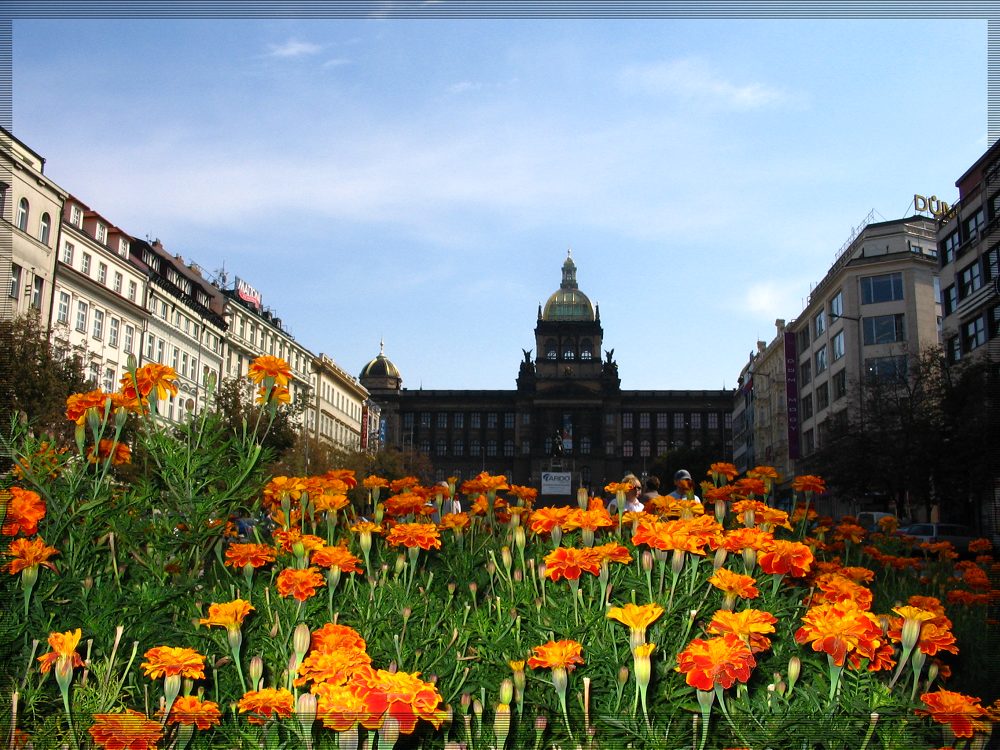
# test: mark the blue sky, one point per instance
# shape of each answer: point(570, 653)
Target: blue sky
point(420, 181)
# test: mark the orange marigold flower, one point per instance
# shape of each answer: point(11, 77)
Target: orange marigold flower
point(980, 545)
point(543, 520)
point(256, 555)
point(570, 563)
point(342, 707)
point(404, 504)
point(591, 519)
point(63, 651)
point(401, 695)
point(167, 661)
point(612, 552)
point(526, 495)
point(735, 584)
point(565, 654)
point(29, 553)
point(616, 488)
point(130, 730)
point(736, 540)
point(485, 482)
point(454, 521)
point(280, 488)
point(403, 483)
point(751, 625)
point(334, 666)
point(748, 486)
point(346, 476)
point(227, 615)
point(849, 532)
point(783, 557)
point(286, 539)
point(45, 461)
point(746, 511)
point(266, 366)
point(299, 584)
point(637, 618)
point(149, 378)
point(809, 483)
point(835, 587)
point(119, 453)
point(21, 510)
point(337, 557)
point(333, 636)
point(266, 704)
point(190, 709)
point(423, 535)
point(366, 527)
point(372, 481)
point(276, 394)
point(858, 573)
point(958, 711)
point(78, 404)
point(765, 473)
point(841, 629)
point(930, 603)
point(717, 661)
point(723, 469)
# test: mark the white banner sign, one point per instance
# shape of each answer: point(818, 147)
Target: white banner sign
point(557, 482)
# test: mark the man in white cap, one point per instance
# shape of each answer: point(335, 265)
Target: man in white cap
point(683, 486)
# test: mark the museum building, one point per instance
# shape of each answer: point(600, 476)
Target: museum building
point(567, 414)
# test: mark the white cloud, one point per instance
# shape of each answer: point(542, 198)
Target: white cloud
point(769, 300)
point(293, 48)
point(692, 79)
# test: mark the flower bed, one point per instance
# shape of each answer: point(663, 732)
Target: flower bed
point(728, 624)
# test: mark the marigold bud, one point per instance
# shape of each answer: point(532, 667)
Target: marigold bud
point(300, 640)
point(506, 691)
point(794, 668)
point(256, 672)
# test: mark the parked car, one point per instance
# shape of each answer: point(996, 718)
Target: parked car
point(958, 535)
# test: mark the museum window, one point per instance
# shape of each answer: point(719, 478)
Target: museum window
point(974, 224)
point(408, 419)
point(475, 448)
point(508, 420)
point(627, 420)
point(491, 420)
point(586, 349)
point(585, 446)
point(85, 264)
point(696, 421)
point(991, 263)
point(568, 351)
point(662, 420)
point(425, 419)
point(508, 448)
point(550, 349)
point(627, 449)
point(474, 420)
point(525, 447)
point(678, 420)
point(994, 321)
point(442, 447)
point(644, 448)
point(491, 447)
point(425, 446)
point(661, 447)
point(81, 316)
point(458, 448)
point(713, 420)
point(458, 419)
point(644, 420)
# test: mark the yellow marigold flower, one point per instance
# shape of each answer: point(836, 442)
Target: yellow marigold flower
point(267, 366)
point(169, 661)
point(129, 730)
point(227, 615)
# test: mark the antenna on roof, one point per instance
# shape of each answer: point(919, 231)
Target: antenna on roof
point(220, 278)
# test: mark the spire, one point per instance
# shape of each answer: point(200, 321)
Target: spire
point(381, 347)
point(568, 272)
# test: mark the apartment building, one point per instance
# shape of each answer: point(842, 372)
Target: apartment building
point(30, 206)
point(337, 413)
point(185, 327)
point(98, 311)
point(254, 330)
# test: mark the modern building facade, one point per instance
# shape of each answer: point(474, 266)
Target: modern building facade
point(567, 413)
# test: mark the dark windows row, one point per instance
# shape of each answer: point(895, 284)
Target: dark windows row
point(458, 419)
point(973, 333)
point(569, 349)
point(678, 420)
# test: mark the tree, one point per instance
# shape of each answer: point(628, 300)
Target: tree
point(916, 441)
point(234, 402)
point(35, 380)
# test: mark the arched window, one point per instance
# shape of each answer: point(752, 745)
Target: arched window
point(661, 447)
point(585, 446)
point(22, 215)
point(586, 349)
point(44, 227)
point(644, 448)
point(550, 349)
point(627, 449)
point(569, 351)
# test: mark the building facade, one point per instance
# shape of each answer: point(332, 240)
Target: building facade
point(567, 413)
point(98, 311)
point(337, 413)
point(30, 206)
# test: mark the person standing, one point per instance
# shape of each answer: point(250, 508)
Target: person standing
point(652, 489)
point(684, 486)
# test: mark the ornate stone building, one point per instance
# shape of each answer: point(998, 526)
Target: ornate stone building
point(568, 412)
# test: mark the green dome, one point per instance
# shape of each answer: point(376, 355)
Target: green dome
point(568, 302)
